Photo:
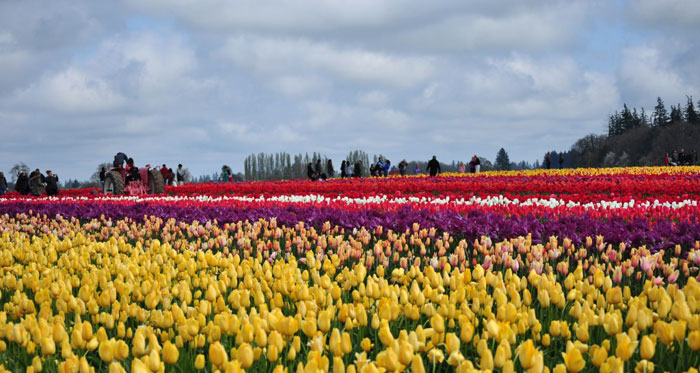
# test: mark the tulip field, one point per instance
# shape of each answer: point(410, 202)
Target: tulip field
point(578, 270)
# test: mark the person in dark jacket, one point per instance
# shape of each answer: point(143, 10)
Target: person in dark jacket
point(310, 173)
point(329, 169)
point(403, 166)
point(342, 169)
point(358, 169)
point(22, 184)
point(36, 183)
point(373, 170)
point(51, 181)
point(3, 184)
point(433, 167)
point(103, 175)
point(132, 172)
point(319, 168)
point(119, 159)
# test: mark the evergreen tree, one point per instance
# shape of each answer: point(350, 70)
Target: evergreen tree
point(661, 118)
point(676, 114)
point(691, 116)
point(502, 160)
point(627, 119)
point(615, 125)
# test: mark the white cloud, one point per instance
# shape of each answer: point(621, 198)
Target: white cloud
point(648, 72)
point(680, 14)
point(282, 56)
point(297, 86)
point(72, 91)
point(525, 29)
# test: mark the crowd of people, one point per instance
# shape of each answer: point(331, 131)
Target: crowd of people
point(382, 168)
point(681, 158)
point(170, 177)
point(36, 183)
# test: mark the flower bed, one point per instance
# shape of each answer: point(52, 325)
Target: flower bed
point(452, 273)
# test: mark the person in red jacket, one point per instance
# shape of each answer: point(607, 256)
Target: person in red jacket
point(165, 172)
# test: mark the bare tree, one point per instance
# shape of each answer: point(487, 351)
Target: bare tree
point(18, 169)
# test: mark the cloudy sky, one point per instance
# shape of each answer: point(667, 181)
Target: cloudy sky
point(207, 82)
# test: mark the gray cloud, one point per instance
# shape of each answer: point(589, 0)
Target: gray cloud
point(208, 82)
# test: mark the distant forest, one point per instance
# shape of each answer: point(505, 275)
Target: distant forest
point(635, 138)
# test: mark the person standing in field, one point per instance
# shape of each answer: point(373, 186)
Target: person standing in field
point(166, 173)
point(433, 167)
point(462, 167)
point(358, 169)
point(329, 169)
point(180, 174)
point(342, 169)
point(319, 168)
point(103, 175)
point(22, 184)
point(51, 181)
point(36, 183)
point(3, 184)
point(403, 166)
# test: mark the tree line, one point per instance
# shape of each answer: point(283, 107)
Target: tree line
point(635, 138)
point(627, 120)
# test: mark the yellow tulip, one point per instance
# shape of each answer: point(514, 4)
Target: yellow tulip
point(436, 356)
point(324, 320)
point(452, 343)
point(36, 364)
point(198, 362)
point(272, 353)
point(466, 331)
point(694, 340)
point(614, 295)
point(555, 328)
point(417, 364)
point(170, 353)
point(115, 367)
point(612, 365)
point(105, 351)
point(389, 360)
point(366, 344)
point(625, 347)
point(308, 326)
point(437, 323)
point(527, 354)
point(679, 329)
point(217, 354)
point(572, 358)
point(492, 328)
point(334, 343)
point(245, 355)
point(647, 348)
point(499, 360)
point(600, 355)
point(486, 360)
point(644, 366)
point(338, 365)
